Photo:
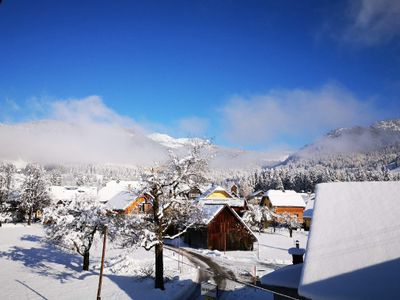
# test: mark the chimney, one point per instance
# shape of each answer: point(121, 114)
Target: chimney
point(297, 253)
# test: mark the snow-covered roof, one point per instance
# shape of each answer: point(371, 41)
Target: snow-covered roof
point(209, 212)
point(121, 200)
point(114, 187)
point(62, 193)
point(230, 200)
point(285, 198)
point(354, 254)
point(256, 194)
point(296, 251)
point(308, 211)
point(307, 196)
point(235, 202)
point(216, 188)
point(288, 277)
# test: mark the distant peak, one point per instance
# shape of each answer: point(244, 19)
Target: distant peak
point(171, 142)
point(392, 125)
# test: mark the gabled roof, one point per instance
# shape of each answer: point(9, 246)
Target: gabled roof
point(114, 187)
point(210, 211)
point(230, 200)
point(121, 200)
point(285, 198)
point(353, 248)
point(216, 188)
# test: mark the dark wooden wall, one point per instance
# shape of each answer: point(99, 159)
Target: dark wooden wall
point(226, 232)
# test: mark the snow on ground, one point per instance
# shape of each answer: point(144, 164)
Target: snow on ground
point(240, 291)
point(271, 253)
point(31, 268)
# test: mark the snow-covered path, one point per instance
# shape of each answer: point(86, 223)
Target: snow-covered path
point(234, 268)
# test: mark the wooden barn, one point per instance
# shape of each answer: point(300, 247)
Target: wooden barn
point(126, 202)
point(222, 229)
point(285, 202)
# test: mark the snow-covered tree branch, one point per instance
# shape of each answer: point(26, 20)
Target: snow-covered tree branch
point(74, 223)
point(168, 184)
point(34, 193)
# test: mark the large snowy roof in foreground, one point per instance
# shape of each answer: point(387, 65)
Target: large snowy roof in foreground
point(353, 249)
point(285, 198)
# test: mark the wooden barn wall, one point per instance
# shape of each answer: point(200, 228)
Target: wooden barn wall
point(226, 232)
point(196, 237)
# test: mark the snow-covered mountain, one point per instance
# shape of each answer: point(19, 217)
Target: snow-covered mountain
point(170, 142)
point(59, 142)
point(223, 157)
point(352, 140)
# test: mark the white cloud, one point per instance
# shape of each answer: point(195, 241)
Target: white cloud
point(76, 131)
point(371, 22)
point(88, 110)
point(293, 114)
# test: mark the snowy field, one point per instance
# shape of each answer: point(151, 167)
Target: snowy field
point(269, 254)
point(33, 269)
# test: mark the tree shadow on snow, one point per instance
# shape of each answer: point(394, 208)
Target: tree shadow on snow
point(48, 260)
point(31, 238)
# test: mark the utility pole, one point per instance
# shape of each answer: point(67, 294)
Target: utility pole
point(102, 263)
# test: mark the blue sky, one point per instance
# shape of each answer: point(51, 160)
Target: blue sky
point(249, 74)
